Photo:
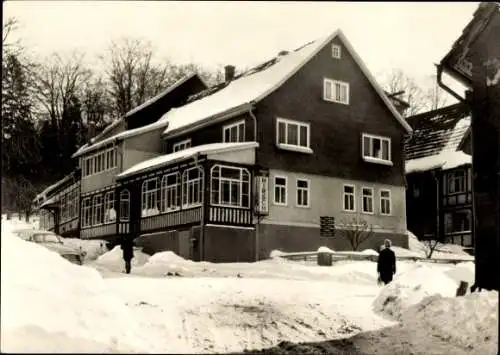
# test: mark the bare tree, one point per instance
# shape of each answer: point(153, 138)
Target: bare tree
point(8, 28)
point(59, 80)
point(397, 81)
point(357, 231)
point(435, 97)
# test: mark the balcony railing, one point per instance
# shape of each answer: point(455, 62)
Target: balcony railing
point(171, 219)
point(230, 216)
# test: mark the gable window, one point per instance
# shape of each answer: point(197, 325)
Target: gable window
point(376, 149)
point(192, 180)
point(293, 135)
point(170, 185)
point(149, 198)
point(336, 51)
point(230, 186)
point(97, 217)
point(280, 192)
point(336, 91)
point(234, 133)
point(367, 194)
point(124, 206)
point(185, 144)
point(349, 198)
point(109, 207)
point(385, 202)
point(302, 193)
point(456, 181)
point(86, 212)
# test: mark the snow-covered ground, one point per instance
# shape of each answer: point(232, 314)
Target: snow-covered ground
point(172, 305)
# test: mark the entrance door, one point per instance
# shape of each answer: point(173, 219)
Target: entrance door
point(184, 243)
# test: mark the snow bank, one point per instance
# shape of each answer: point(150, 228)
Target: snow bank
point(166, 257)
point(369, 252)
point(462, 272)
point(113, 259)
point(410, 288)
point(405, 252)
point(470, 321)
point(325, 250)
point(276, 254)
point(51, 301)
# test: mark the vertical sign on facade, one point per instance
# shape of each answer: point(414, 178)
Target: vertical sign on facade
point(262, 192)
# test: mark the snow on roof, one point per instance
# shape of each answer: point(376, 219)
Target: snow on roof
point(50, 201)
point(160, 95)
point(119, 136)
point(52, 187)
point(446, 160)
point(257, 83)
point(166, 159)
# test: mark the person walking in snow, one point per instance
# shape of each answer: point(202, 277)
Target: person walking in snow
point(127, 246)
point(386, 264)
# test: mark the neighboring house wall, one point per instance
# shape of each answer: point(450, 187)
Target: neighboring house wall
point(141, 147)
point(421, 204)
point(336, 129)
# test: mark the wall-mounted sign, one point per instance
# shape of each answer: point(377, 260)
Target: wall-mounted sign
point(262, 195)
point(327, 226)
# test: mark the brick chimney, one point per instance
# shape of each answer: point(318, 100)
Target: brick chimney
point(229, 72)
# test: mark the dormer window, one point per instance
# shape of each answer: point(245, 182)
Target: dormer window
point(376, 149)
point(182, 145)
point(234, 133)
point(336, 91)
point(336, 51)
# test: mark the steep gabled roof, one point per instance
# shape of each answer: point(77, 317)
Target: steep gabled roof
point(256, 84)
point(437, 137)
point(455, 61)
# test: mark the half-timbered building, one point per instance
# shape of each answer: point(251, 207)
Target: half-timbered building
point(439, 176)
point(474, 61)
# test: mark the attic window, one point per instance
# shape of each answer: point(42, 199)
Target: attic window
point(336, 91)
point(376, 149)
point(336, 51)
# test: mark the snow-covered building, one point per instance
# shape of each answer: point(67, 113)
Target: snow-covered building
point(287, 155)
point(439, 175)
point(474, 61)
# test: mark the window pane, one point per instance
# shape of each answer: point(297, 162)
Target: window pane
point(281, 132)
point(348, 189)
point(280, 181)
point(292, 131)
point(230, 173)
point(384, 193)
point(227, 135)
point(302, 184)
point(385, 149)
point(377, 148)
point(234, 134)
point(241, 133)
point(303, 136)
point(366, 146)
point(328, 90)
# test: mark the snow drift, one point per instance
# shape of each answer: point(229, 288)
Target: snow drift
point(410, 288)
point(49, 304)
point(113, 259)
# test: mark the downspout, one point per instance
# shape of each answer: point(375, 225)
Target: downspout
point(439, 69)
point(201, 243)
point(250, 111)
point(438, 211)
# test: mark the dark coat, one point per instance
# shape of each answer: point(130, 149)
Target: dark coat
point(127, 246)
point(386, 264)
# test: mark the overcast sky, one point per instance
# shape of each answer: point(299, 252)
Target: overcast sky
point(407, 35)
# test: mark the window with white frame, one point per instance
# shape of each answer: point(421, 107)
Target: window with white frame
point(230, 186)
point(192, 187)
point(385, 202)
point(302, 193)
point(292, 134)
point(456, 181)
point(64, 208)
point(149, 198)
point(99, 162)
point(376, 148)
point(86, 212)
point(109, 207)
point(336, 91)
point(170, 192)
point(349, 198)
point(367, 195)
point(124, 206)
point(336, 51)
point(97, 215)
point(280, 192)
point(185, 144)
point(234, 133)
